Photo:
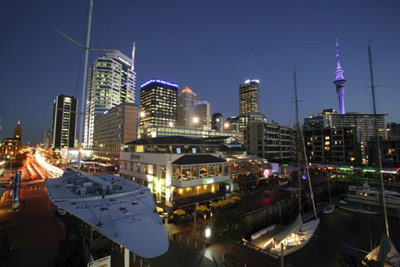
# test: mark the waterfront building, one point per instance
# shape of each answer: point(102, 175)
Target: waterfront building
point(390, 153)
point(246, 170)
point(64, 122)
point(364, 122)
point(158, 103)
point(249, 97)
point(217, 122)
point(271, 141)
point(111, 82)
point(180, 171)
point(11, 146)
point(186, 100)
point(160, 131)
point(200, 115)
point(339, 145)
point(113, 128)
point(339, 81)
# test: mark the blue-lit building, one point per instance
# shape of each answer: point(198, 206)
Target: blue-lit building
point(158, 103)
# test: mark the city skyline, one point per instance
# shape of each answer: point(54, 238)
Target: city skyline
point(212, 59)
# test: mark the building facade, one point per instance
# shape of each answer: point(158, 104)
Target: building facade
point(200, 114)
point(64, 122)
point(159, 131)
point(249, 97)
point(333, 145)
point(271, 141)
point(114, 128)
point(393, 130)
point(158, 103)
point(217, 122)
point(365, 123)
point(390, 153)
point(111, 82)
point(180, 171)
point(186, 100)
point(11, 146)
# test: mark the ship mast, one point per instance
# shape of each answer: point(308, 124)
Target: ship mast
point(304, 148)
point(378, 143)
point(85, 73)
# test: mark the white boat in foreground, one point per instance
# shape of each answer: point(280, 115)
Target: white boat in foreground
point(295, 237)
point(390, 254)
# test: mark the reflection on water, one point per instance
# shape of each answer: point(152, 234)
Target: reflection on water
point(342, 233)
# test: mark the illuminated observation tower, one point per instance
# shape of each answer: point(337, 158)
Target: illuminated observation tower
point(339, 81)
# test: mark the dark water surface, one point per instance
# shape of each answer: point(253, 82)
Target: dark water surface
point(342, 233)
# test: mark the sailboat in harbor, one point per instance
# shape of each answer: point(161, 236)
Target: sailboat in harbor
point(385, 254)
point(298, 234)
point(331, 207)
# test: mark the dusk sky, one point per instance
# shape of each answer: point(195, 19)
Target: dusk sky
point(210, 46)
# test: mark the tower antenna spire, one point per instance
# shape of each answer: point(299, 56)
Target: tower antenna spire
point(339, 81)
point(133, 56)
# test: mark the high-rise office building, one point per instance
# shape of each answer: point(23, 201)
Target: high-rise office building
point(114, 128)
point(200, 114)
point(339, 81)
point(111, 82)
point(248, 97)
point(64, 120)
point(217, 122)
point(186, 100)
point(158, 103)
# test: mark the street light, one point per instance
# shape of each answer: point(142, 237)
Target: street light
point(207, 232)
point(195, 120)
point(226, 125)
point(171, 124)
point(142, 114)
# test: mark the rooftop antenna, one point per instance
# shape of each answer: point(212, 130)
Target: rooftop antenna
point(133, 56)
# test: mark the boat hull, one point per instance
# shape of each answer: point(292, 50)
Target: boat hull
point(307, 231)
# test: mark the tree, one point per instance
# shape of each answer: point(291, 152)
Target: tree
point(231, 224)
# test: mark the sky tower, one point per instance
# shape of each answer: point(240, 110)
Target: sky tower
point(339, 81)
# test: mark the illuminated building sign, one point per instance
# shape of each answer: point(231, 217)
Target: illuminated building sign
point(208, 181)
point(159, 81)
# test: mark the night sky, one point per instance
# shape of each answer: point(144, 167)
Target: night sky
point(210, 46)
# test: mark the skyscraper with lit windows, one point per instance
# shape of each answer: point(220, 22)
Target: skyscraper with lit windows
point(248, 97)
point(158, 103)
point(64, 121)
point(186, 100)
point(111, 82)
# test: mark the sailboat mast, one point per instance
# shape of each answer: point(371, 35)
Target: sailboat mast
point(304, 148)
point(378, 143)
point(85, 72)
point(298, 132)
